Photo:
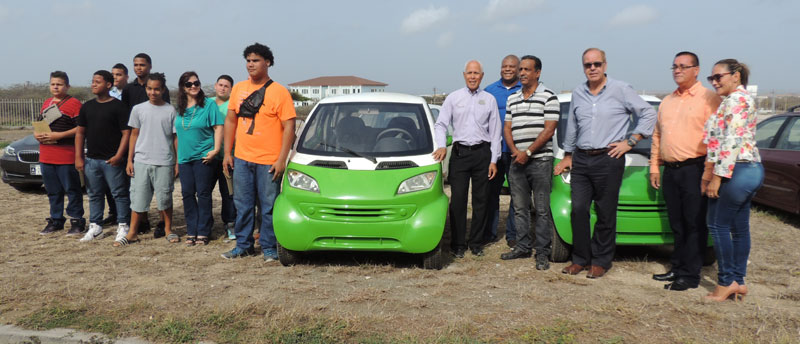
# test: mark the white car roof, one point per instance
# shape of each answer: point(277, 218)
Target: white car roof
point(567, 97)
point(381, 97)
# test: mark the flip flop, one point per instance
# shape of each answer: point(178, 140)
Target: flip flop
point(173, 238)
point(124, 242)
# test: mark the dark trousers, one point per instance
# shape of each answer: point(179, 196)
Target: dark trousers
point(60, 180)
point(533, 181)
point(686, 209)
point(468, 165)
point(493, 211)
point(228, 209)
point(595, 179)
point(197, 183)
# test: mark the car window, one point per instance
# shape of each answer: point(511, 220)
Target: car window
point(373, 129)
point(643, 147)
point(790, 139)
point(766, 131)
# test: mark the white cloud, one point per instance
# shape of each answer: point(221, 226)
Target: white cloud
point(507, 9)
point(634, 16)
point(445, 40)
point(423, 19)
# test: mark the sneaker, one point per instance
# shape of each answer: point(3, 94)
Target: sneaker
point(94, 231)
point(52, 226)
point(459, 253)
point(516, 253)
point(229, 227)
point(542, 263)
point(122, 231)
point(76, 227)
point(270, 255)
point(477, 252)
point(237, 253)
point(160, 232)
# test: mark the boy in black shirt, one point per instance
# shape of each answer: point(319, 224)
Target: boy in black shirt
point(103, 123)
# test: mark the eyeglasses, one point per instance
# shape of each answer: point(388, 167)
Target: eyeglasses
point(588, 65)
point(680, 67)
point(189, 84)
point(716, 77)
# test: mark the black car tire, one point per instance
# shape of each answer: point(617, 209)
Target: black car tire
point(288, 257)
point(433, 260)
point(561, 250)
point(26, 187)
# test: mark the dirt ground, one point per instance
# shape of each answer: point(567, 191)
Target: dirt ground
point(475, 299)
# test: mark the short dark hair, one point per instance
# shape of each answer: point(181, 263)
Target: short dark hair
point(107, 77)
point(121, 66)
point(226, 77)
point(260, 50)
point(144, 56)
point(691, 54)
point(535, 60)
point(61, 75)
point(734, 66)
point(157, 77)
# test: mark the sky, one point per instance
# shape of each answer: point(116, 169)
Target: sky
point(414, 46)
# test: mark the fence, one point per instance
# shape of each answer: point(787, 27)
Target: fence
point(19, 112)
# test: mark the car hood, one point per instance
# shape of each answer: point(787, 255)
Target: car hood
point(27, 142)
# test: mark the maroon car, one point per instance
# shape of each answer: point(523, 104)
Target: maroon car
point(778, 141)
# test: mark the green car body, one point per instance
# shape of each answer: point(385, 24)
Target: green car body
point(357, 200)
point(641, 211)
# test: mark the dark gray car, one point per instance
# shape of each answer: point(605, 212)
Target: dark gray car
point(20, 164)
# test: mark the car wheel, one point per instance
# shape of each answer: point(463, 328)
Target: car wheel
point(710, 256)
point(561, 250)
point(26, 187)
point(288, 257)
point(433, 260)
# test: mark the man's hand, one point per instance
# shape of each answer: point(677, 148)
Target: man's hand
point(704, 186)
point(655, 180)
point(176, 171)
point(520, 157)
point(492, 171)
point(618, 149)
point(712, 190)
point(129, 168)
point(47, 138)
point(563, 166)
point(79, 164)
point(277, 169)
point(439, 154)
point(114, 161)
point(227, 165)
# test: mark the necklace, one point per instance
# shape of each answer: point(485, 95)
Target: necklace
point(183, 120)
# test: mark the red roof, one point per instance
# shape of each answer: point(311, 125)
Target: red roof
point(338, 81)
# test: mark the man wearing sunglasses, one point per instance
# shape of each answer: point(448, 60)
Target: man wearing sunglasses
point(595, 144)
point(678, 146)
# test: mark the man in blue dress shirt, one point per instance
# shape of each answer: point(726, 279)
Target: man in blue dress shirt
point(476, 147)
point(501, 89)
point(595, 144)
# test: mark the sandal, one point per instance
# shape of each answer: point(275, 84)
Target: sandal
point(190, 240)
point(173, 238)
point(202, 241)
point(122, 242)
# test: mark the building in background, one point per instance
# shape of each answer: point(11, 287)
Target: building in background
point(331, 86)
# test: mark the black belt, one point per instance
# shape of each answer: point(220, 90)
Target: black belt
point(687, 162)
point(473, 147)
point(593, 152)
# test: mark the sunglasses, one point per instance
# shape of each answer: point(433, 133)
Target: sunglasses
point(189, 84)
point(588, 65)
point(716, 77)
point(680, 67)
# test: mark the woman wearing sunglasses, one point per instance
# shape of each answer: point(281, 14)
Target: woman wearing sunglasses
point(198, 127)
point(738, 174)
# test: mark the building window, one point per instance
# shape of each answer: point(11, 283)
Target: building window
point(315, 91)
point(333, 91)
point(304, 91)
point(346, 91)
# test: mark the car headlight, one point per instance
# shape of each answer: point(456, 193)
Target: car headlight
point(565, 176)
point(10, 151)
point(302, 181)
point(416, 183)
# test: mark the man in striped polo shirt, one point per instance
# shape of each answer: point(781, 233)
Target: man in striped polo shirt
point(531, 119)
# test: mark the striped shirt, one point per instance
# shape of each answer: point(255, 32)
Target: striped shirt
point(527, 117)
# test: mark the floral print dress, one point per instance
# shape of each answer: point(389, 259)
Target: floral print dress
point(730, 133)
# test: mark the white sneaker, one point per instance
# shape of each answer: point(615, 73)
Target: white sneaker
point(94, 231)
point(122, 231)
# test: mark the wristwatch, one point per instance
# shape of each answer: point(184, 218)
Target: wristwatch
point(632, 141)
point(528, 152)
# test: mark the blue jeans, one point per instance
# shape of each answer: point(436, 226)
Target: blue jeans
point(533, 181)
point(253, 181)
point(228, 209)
point(495, 185)
point(60, 180)
point(102, 178)
point(728, 220)
point(197, 183)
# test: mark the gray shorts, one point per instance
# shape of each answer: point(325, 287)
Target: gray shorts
point(148, 179)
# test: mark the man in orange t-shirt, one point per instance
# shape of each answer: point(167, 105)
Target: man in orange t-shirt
point(677, 144)
point(263, 142)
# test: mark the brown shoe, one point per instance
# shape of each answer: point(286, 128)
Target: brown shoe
point(596, 271)
point(573, 269)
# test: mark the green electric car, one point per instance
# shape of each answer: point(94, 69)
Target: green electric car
point(361, 178)
point(641, 213)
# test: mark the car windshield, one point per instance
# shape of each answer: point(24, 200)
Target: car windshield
point(367, 130)
point(643, 147)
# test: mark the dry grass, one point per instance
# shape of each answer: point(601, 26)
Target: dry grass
point(171, 293)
